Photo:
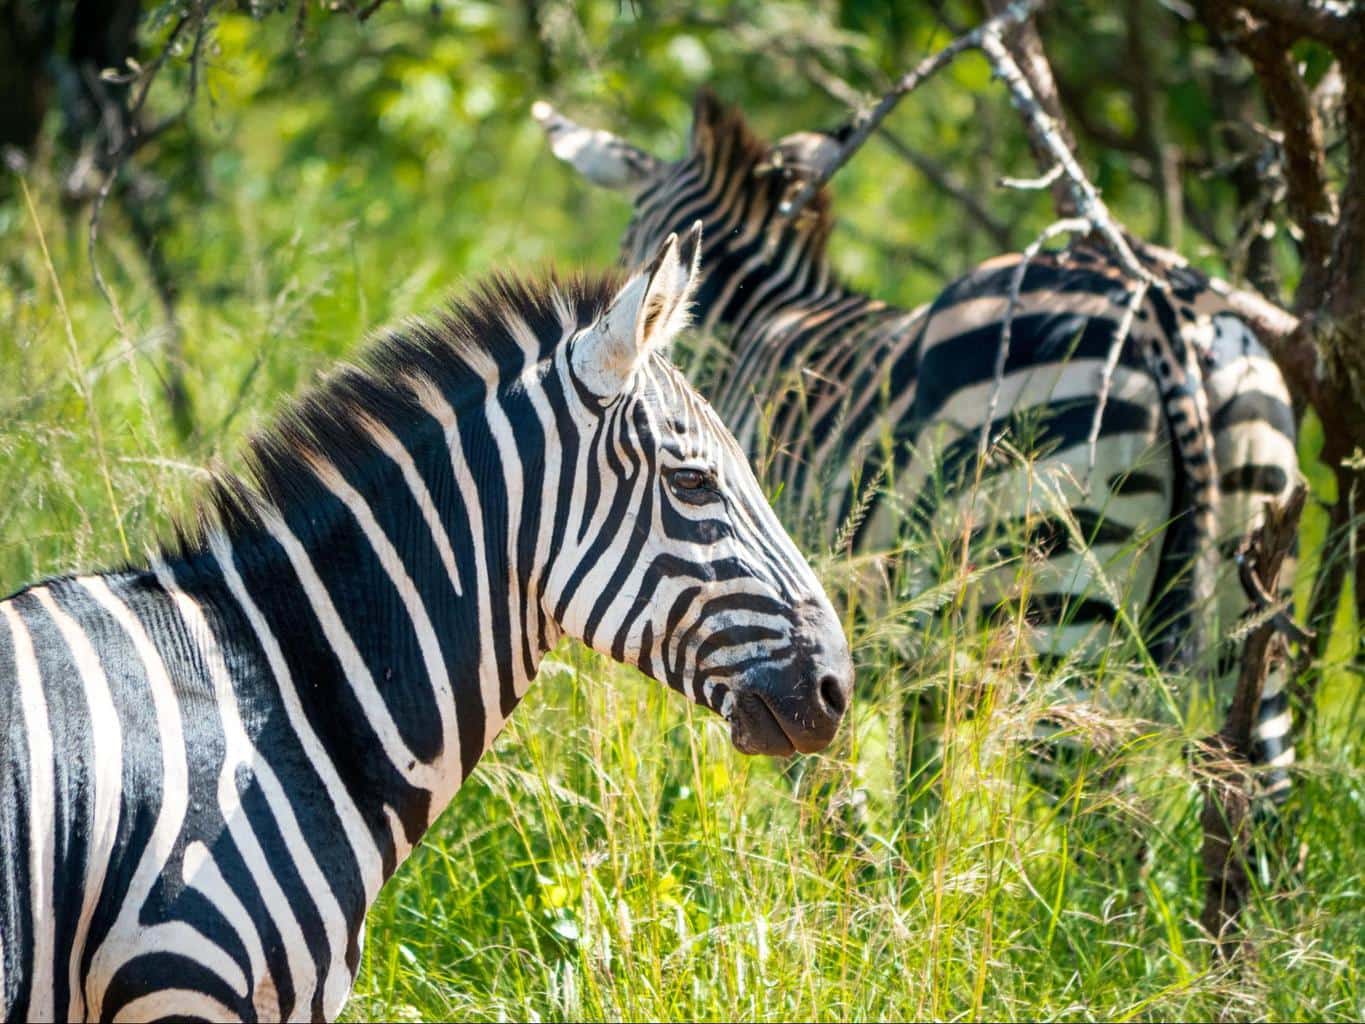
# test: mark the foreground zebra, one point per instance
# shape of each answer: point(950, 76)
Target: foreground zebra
point(837, 393)
point(208, 768)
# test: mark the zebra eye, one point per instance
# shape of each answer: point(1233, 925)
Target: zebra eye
point(692, 484)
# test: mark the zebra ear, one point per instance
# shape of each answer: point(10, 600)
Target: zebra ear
point(601, 157)
point(644, 316)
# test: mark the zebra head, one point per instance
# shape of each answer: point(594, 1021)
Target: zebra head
point(676, 563)
point(730, 180)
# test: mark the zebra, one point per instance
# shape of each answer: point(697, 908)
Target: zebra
point(836, 391)
point(211, 764)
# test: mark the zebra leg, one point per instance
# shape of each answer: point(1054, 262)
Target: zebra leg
point(1272, 849)
point(1272, 748)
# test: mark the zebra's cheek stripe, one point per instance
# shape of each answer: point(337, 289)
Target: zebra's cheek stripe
point(42, 795)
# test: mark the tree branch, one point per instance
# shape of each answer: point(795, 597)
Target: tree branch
point(1026, 47)
point(1048, 138)
point(1311, 205)
point(936, 174)
point(866, 121)
point(1338, 24)
point(1346, 292)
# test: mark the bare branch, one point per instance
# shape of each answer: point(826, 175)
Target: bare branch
point(1072, 225)
point(1339, 25)
point(1026, 46)
point(1038, 184)
point(936, 174)
point(866, 121)
point(1048, 138)
point(1266, 45)
point(1111, 362)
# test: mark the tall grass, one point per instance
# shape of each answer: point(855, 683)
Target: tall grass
point(612, 857)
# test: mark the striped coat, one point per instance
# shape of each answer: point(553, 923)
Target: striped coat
point(209, 766)
point(976, 409)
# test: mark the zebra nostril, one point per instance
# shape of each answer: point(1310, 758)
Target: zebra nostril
point(832, 693)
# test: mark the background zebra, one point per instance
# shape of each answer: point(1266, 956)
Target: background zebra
point(855, 406)
point(209, 767)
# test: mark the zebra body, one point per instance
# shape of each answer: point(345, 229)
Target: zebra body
point(209, 767)
point(855, 407)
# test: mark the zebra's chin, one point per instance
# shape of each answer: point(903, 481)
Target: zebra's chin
point(755, 729)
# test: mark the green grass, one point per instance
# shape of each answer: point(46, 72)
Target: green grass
point(613, 857)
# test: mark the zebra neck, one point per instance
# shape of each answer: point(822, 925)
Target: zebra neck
point(803, 345)
point(760, 274)
point(381, 613)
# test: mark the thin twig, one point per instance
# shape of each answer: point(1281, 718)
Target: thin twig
point(1072, 225)
point(1038, 184)
point(1025, 45)
point(865, 122)
point(1111, 362)
point(1045, 133)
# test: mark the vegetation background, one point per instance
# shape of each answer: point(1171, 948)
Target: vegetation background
point(320, 175)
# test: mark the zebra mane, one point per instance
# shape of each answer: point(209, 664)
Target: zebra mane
point(469, 345)
point(720, 132)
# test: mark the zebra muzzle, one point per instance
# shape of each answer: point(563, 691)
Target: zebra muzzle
point(785, 712)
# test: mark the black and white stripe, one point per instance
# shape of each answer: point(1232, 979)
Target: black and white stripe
point(209, 767)
point(833, 391)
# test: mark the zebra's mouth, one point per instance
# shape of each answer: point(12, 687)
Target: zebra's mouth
point(754, 729)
